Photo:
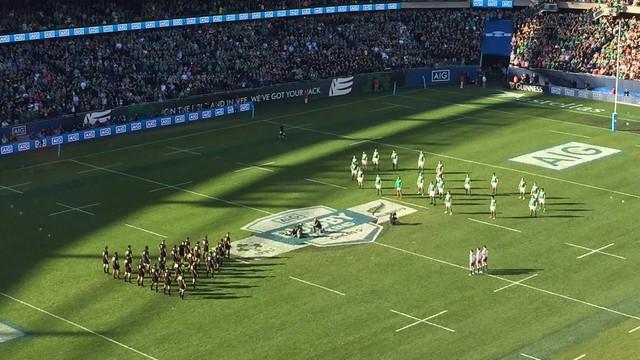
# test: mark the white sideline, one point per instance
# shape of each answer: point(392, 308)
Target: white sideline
point(478, 163)
point(92, 170)
point(496, 225)
point(172, 187)
point(418, 321)
point(11, 188)
point(316, 285)
point(147, 231)
point(385, 108)
point(78, 326)
point(592, 251)
point(520, 284)
point(570, 134)
point(530, 357)
point(634, 329)
point(515, 283)
point(325, 183)
point(580, 357)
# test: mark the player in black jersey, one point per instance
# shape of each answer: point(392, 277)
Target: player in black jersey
point(115, 264)
point(155, 273)
point(105, 260)
point(194, 274)
point(167, 283)
point(227, 245)
point(140, 278)
point(127, 270)
point(210, 263)
point(182, 286)
point(146, 259)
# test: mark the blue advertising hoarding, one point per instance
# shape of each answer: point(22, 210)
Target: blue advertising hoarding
point(499, 4)
point(497, 37)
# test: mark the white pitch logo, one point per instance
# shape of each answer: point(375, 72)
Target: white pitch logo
point(341, 86)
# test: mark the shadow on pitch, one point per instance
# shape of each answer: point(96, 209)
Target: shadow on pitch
point(513, 271)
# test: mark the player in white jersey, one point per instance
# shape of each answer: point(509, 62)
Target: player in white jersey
point(375, 159)
point(394, 160)
point(439, 169)
point(421, 159)
point(420, 184)
point(485, 258)
point(472, 262)
point(494, 184)
point(467, 185)
point(364, 161)
point(478, 260)
point(522, 188)
point(448, 209)
point(360, 177)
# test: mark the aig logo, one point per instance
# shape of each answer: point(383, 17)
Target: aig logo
point(8, 149)
point(73, 137)
point(24, 146)
point(565, 156)
point(440, 75)
point(89, 134)
point(105, 132)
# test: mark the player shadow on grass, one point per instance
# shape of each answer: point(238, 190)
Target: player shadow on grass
point(512, 271)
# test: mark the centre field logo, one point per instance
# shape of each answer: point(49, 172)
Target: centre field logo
point(356, 225)
point(565, 156)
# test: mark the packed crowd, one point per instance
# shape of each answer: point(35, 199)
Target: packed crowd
point(185, 259)
point(573, 41)
point(37, 15)
point(63, 76)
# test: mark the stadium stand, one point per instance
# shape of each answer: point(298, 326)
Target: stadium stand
point(50, 78)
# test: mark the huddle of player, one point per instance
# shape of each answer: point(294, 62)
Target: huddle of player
point(183, 257)
point(537, 197)
point(478, 260)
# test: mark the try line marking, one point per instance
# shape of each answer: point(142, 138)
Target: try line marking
point(178, 150)
point(515, 283)
point(593, 251)
point(418, 321)
point(78, 209)
point(496, 225)
point(92, 170)
point(78, 326)
point(362, 141)
point(172, 187)
point(147, 231)
point(530, 357)
point(570, 134)
point(325, 183)
point(474, 162)
point(634, 329)
point(580, 357)
point(11, 188)
point(316, 285)
point(169, 187)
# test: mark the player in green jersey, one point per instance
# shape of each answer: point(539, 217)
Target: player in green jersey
point(467, 185)
point(542, 196)
point(440, 186)
point(493, 208)
point(364, 162)
point(439, 169)
point(448, 204)
point(375, 159)
point(398, 186)
point(494, 184)
point(354, 167)
point(421, 159)
point(420, 184)
point(360, 177)
point(431, 189)
point(379, 185)
point(533, 206)
point(522, 188)
point(535, 189)
point(394, 160)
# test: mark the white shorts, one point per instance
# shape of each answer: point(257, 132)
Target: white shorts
point(399, 189)
point(353, 173)
point(364, 162)
point(432, 193)
point(532, 207)
point(378, 186)
point(375, 161)
point(440, 190)
point(467, 186)
point(420, 186)
point(523, 190)
point(494, 185)
point(492, 208)
point(420, 164)
point(360, 179)
point(447, 204)
point(542, 201)
point(395, 162)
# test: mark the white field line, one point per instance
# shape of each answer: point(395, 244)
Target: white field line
point(325, 183)
point(515, 283)
point(482, 164)
point(198, 133)
point(385, 108)
point(496, 225)
point(595, 251)
point(11, 188)
point(634, 329)
point(260, 167)
point(405, 202)
point(92, 170)
point(78, 326)
point(180, 150)
point(240, 260)
point(168, 187)
point(400, 105)
point(453, 120)
point(601, 252)
point(316, 285)
point(147, 231)
point(570, 134)
point(363, 141)
point(425, 321)
point(580, 357)
point(78, 209)
point(530, 357)
point(150, 181)
point(519, 284)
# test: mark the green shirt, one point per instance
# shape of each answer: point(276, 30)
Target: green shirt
point(447, 198)
point(364, 156)
point(421, 157)
point(493, 202)
point(394, 156)
point(440, 183)
point(375, 155)
point(378, 180)
point(360, 173)
point(542, 195)
point(431, 187)
point(494, 179)
point(533, 202)
point(522, 184)
point(420, 179)
point(399, 184)
point(534, 189)
point(467, 180)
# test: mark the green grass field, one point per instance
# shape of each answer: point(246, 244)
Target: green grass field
point(52, 287)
